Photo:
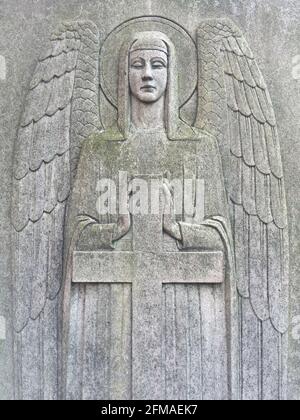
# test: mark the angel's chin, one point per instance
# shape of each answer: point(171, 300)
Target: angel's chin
point(148, 97)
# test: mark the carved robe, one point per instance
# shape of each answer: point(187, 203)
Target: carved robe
point(98, 323)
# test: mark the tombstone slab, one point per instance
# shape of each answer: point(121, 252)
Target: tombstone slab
point(195, 300)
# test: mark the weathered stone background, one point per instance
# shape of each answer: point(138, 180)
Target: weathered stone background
point(273, 31)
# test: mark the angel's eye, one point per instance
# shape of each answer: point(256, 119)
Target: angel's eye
point(157, 64)
point(137, 65)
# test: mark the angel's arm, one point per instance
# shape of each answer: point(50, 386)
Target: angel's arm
point(92, 231)
point(202, 236)
point(211, 233)
point(208, 235)
point(94, 236)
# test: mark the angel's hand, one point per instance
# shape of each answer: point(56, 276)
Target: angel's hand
point(170, 225)
point(123, 226)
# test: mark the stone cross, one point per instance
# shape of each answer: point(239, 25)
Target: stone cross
point(147, 268)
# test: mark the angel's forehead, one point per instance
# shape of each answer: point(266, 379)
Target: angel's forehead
point(148, 54)
point(149, 41)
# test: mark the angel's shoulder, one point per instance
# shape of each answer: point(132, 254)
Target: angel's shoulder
point(206, 139)
point(187, 132)
point(203, 135)
point(104, 139)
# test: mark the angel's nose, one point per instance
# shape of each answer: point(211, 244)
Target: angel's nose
point(148, 75)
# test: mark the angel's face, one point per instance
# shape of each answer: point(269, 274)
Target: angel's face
point(148, 75)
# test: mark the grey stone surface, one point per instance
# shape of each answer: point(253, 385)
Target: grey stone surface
point(172, 267)
point(272, 29)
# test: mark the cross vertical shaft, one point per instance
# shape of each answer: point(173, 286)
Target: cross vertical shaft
point(146, 304)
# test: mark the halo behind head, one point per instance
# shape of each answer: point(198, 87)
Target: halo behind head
point(165, 29)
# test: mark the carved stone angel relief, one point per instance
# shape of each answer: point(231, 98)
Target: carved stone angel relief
point(167, 304)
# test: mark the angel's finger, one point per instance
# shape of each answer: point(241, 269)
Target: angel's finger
point(167, 192)
point(169, 186)
point(130, 187)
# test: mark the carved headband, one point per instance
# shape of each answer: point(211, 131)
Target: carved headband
point(149, 44)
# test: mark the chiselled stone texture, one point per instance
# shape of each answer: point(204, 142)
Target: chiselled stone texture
point(60, 112)
point(125, 306)
point(251, 155)
point(2, 68)
point(42, 179)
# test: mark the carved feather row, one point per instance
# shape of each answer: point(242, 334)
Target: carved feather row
point(64, 89)
point(40, 191)
point(232, 84)
point(260, 194)
point(254, 141)
point(42, 244)
point(253, 138)
point(45, 132)
point(55, 66)
point(51, 87)
point(262, 267)
point(258, 189)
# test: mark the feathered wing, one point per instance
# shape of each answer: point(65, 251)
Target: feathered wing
point(61, 110)
point(234, 104)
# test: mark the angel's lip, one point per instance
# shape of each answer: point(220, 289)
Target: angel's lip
point(148, 87)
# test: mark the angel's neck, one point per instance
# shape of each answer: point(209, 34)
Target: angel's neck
point(148, 115)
